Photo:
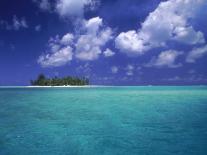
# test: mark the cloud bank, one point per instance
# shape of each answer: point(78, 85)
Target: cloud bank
point(85, 46)
point(169, 22)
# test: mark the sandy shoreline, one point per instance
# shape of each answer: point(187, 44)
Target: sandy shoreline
point(92, 86)
point(57, 86)
point(86, 86)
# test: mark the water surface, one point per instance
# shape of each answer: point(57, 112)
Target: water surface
point(103, 120)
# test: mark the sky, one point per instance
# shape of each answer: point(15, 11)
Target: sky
point(111, 42)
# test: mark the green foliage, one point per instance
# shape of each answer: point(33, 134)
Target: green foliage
point(43, 81)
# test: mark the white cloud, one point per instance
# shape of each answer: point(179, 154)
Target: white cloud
point(67, 39)
point(191, 71)
point(44, 5)
point(130, 43)
point(188, 35)
point(165, 59)
point(93, 24)
point(60, 52)
point(19, 23)
point(54, 43)
point(130, 70)
point(89, 44)
point(68, 8)
point(175, 78)
point(76, 8)
point(16, 25)
point(193, 78)
point(85, 69)
point(58, 58)
point(196, 53)
point(108, 53)
point(130, 73)
point(114, 69)
point(38, 28)
point(169, 22)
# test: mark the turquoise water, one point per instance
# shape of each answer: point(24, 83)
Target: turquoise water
point(108, 120)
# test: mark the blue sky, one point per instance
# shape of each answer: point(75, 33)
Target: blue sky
point(112, 42)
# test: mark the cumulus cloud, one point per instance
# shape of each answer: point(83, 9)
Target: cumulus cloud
point(67, 39)
point(17, 24)
point(58, 58)
point(165, 59)
point(59, 52)
point(108, 53)
point(130, 43)
point(114, 69)
point(86, 46)
point(89, 44)
point(67, 8)
point(196, 53)
point(188, 35)
point(170, 21)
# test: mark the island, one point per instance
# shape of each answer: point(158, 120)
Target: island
point(42, 80)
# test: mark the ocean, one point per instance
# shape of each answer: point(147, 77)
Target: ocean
point(151, 120)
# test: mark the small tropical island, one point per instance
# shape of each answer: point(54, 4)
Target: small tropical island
point(42, 80)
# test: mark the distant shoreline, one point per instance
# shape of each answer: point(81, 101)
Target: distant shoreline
point(57, 86)
point(96, 86)
point(84, 86)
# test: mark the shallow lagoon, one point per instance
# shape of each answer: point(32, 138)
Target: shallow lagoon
point(103, 120)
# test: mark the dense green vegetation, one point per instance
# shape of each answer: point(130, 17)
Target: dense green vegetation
point(42, 80)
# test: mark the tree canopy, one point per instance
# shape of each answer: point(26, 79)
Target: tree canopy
point(42, 80)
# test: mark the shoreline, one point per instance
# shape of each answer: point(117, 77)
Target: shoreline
point(46, 86)
point(84, 86)
point(57, 86)
point(96, 86)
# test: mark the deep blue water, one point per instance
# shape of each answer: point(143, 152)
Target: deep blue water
point(108, 120)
